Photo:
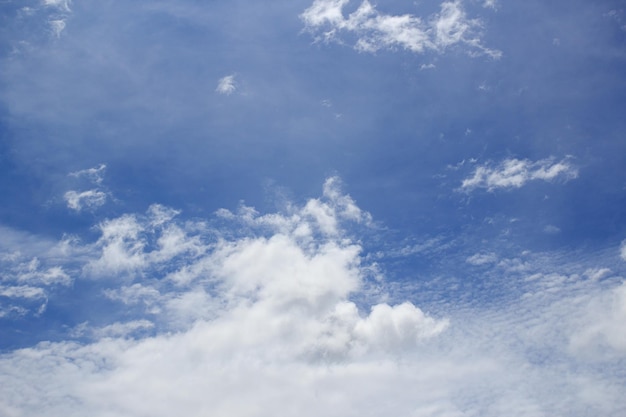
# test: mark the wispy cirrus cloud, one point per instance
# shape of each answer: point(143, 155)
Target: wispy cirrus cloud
point(375, 30)
point(515, 173)
point(57, 20)
point(87, 199)
point(26, 283)
point(63, 5)
point(226, 85)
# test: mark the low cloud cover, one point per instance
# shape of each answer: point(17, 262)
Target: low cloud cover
point(271, 316)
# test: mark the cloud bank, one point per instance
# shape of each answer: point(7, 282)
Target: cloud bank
point(374, 30)
point(252, 314)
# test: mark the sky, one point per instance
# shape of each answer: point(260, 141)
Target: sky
point(312, 207)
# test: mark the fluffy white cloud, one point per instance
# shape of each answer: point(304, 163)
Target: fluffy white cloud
point(270, 317)
point(515, 173)
point(622, 250)
point(226, 85)
point(375, 30)
point(604, 325)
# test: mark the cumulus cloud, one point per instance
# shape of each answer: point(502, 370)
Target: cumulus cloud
point(375, 30)
point(515, 173)
point(268, 314)
point(226, 85)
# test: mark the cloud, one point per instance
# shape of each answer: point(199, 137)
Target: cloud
point(269, 313)
point(57, 21)
point(22, 291)
point(482, 259)
point(26, 284)
point(115, 330)
point(622, 250)
point(603, 325)
point(226, 85)
point(94, 175)
point(88, 199)
point(57, 26)
point(375, 30)
point(62, 5)
point(551, 229)
point(515, 173)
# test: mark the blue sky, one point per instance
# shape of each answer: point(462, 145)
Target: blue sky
point(316, 207)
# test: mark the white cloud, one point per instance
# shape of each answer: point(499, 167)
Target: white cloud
point(95, 174)
point(28, 283)
point(133, 294)
point(226, 85)
point(270, 316)
point(515, 173)
point(375, 30)
point(622, 250)
point(89, 199)
point(551, 229)
point(596, 274)
point(604, 324)
point(22, 291)
point(63, 5)
point(57, 26)
point(57, 20)
point(122, 329)
point(482, 259)
point(122, 246)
